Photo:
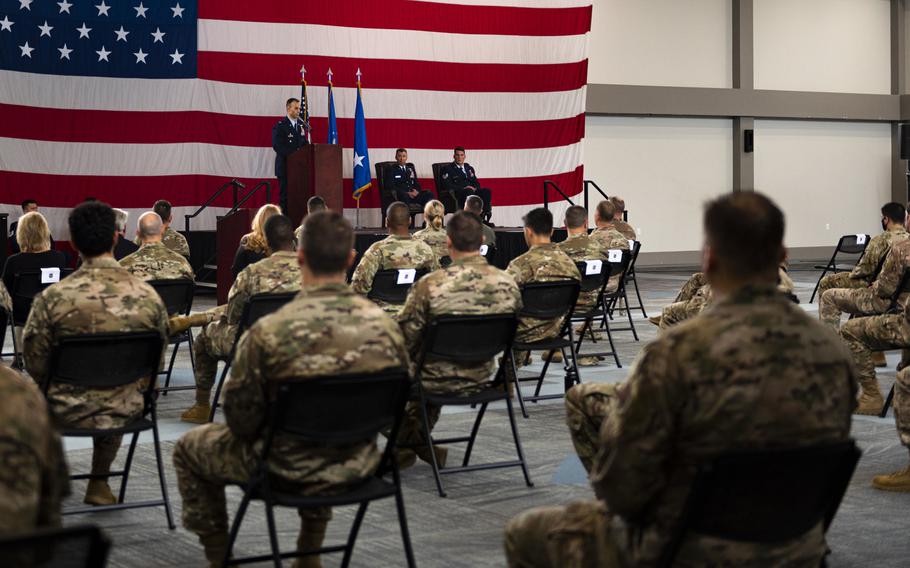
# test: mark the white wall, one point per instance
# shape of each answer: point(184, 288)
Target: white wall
point(823, 45)
point(661, 42)
point(665, 169)
point(829, 178)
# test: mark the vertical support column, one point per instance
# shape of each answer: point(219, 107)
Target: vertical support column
point(743, 57)
point(899, 190)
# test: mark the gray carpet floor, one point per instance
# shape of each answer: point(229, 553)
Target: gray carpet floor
point(872, 528)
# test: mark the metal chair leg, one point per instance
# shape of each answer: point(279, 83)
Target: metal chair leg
point(641, 304)
point(218, 387)
point(161, 479)
point(235, 527)
point(888, 401)
point(426, 430)
point(521, 400)
point(273, 533)
point(403, 521)
point(521, 455)
point(467, 452)
point(352, 537)
point(127, 467)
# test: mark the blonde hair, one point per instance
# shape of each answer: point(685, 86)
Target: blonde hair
point(434, 212)
point(32, 233)
point(255, 240)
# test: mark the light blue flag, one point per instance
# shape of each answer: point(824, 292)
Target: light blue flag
point(362, 178)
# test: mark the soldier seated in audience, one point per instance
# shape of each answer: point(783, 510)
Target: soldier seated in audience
point(171, 238)
point(124, 246)
point(277, 274)
point(899, 480)
point(434, 234)
point(735, 377)
point(606, 229)
point(33, 479)
point(474, 204)
point(313, 205)
point(326, 330)
point(469, 286)
point(154, 261)
point(625, 229)
point(398, 250)
point(100, 297)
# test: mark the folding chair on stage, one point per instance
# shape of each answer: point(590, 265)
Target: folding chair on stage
point(177, 296)
point(846, 245)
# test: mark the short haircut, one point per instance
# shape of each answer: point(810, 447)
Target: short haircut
point(397, 215)
point(92, 228)
point(27, 202)
point(539, 220)
point(618, 205)
point(163, 209)
point(746, 232)
point(458, 149)
point(120, 218)
point(894, 211)
point(150, 224)
point(315, 204)
point(32, 233)
point(576, 216)
point(400, 150)
point(327, 241)
point(606, 210)
point(289, 101)
point(279, 232)
point(465, 231)
point(474, 204)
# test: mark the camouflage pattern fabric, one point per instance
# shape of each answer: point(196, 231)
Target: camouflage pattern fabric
point(755, 364)
point(581, 247)
point(154, 261)
point(34, 478)
point(436, 238)
point(902, 405)
point(6, 301)
point(489, 235)
point(277, 274)
point(690, 288)
point(625, 229)
point(611, 240)
point(543, 263)
point(174, 241)
point(868, 267)
point(325, 330)
point(390, 253)
point(874, 333)
point(840, 280)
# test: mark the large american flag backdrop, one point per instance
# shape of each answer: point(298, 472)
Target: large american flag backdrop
point(130, 101)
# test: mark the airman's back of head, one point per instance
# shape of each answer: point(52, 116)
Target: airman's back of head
point(326, 242)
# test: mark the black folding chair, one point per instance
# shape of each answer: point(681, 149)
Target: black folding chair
point(26, 285)
point(630, 278)
point(586, 315)
point(5, 321)
point(256, 307)
point(445, 261)
point(766, 496)
point(328, 411)
point(104, 361)
point(386, 288)
point(177, 296)
point(610, 301)
point(547, 301)
point(846, 245)
point(70, 547)
point(469, 339)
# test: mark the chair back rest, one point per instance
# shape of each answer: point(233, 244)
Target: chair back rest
point(70, 547)
point(594, 274)
point(177, 294)
point(443, 194)
point(392, 286)
point(261, 305)
point(547, 300)
point(106, 360)
point(765, 496)
point(445, 261)
point(620, 267)
point(26, 285)
point(474, 338)
point(386, 195)
point(849, 244)
point(488, 252)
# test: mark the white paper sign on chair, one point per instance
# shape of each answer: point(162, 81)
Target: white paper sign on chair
point(50, 275)
point(614, 255)
point(484, 249)
point(860, 239)
point(406, 275)
point(593, 267)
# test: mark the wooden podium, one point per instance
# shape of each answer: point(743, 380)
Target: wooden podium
point(229, 231)
point(314, 169)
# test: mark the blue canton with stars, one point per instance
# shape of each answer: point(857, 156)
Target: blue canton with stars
point(153, 39)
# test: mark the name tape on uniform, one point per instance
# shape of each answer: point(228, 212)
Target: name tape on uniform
point(860, 239)
point(50, 275)
point(407, 275)
point(484, 249)
point(593, 267)
point(614, 255)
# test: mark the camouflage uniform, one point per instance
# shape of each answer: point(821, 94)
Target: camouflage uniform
point(877, 298)
point(390, 253)
point(33, 479)
point(277, 274)
point(902, 405)
point(489, 235)
point(754, 371)
point(154, 261)
point(625, 229)
point(174, 241)
point(867, 268)
point(100, 297)
point(580, 247)
point(690, 288)
point(612, 240)
point(543, 263)
point(436, 238)
point(874, 333)
point(469, 286)
point(325, 330)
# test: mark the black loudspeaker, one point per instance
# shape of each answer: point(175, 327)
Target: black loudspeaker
point(905, 141)
point(748, 141)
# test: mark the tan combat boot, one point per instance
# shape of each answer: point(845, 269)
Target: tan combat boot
point(312, 533)
point(878, 359)
point(406, 458)
point(553, 356)
point(215, 546)
point(655, 320)
point(897, 481)
point(99, 492)
point(589, 360)
point(870, 401)
point(178, 324)
point(199, 412)
point(442, 453)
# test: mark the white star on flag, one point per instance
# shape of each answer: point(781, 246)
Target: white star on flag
point(64, 52)
point(26, 50)
point(45, 29)
point(6, 24)
point(121, 34)
point(64, 6)
point(158, 35)
point(26, 5)
point(140, 56)
point(102, 9)
point(358, 160)
point(177, 57)
point(178, 11)
point(140, 10)
point(83, 31)
point(102, 55)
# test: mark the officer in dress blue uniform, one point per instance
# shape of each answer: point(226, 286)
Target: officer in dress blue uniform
point(460, 179)
point(402, 180)
point(288, 135)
